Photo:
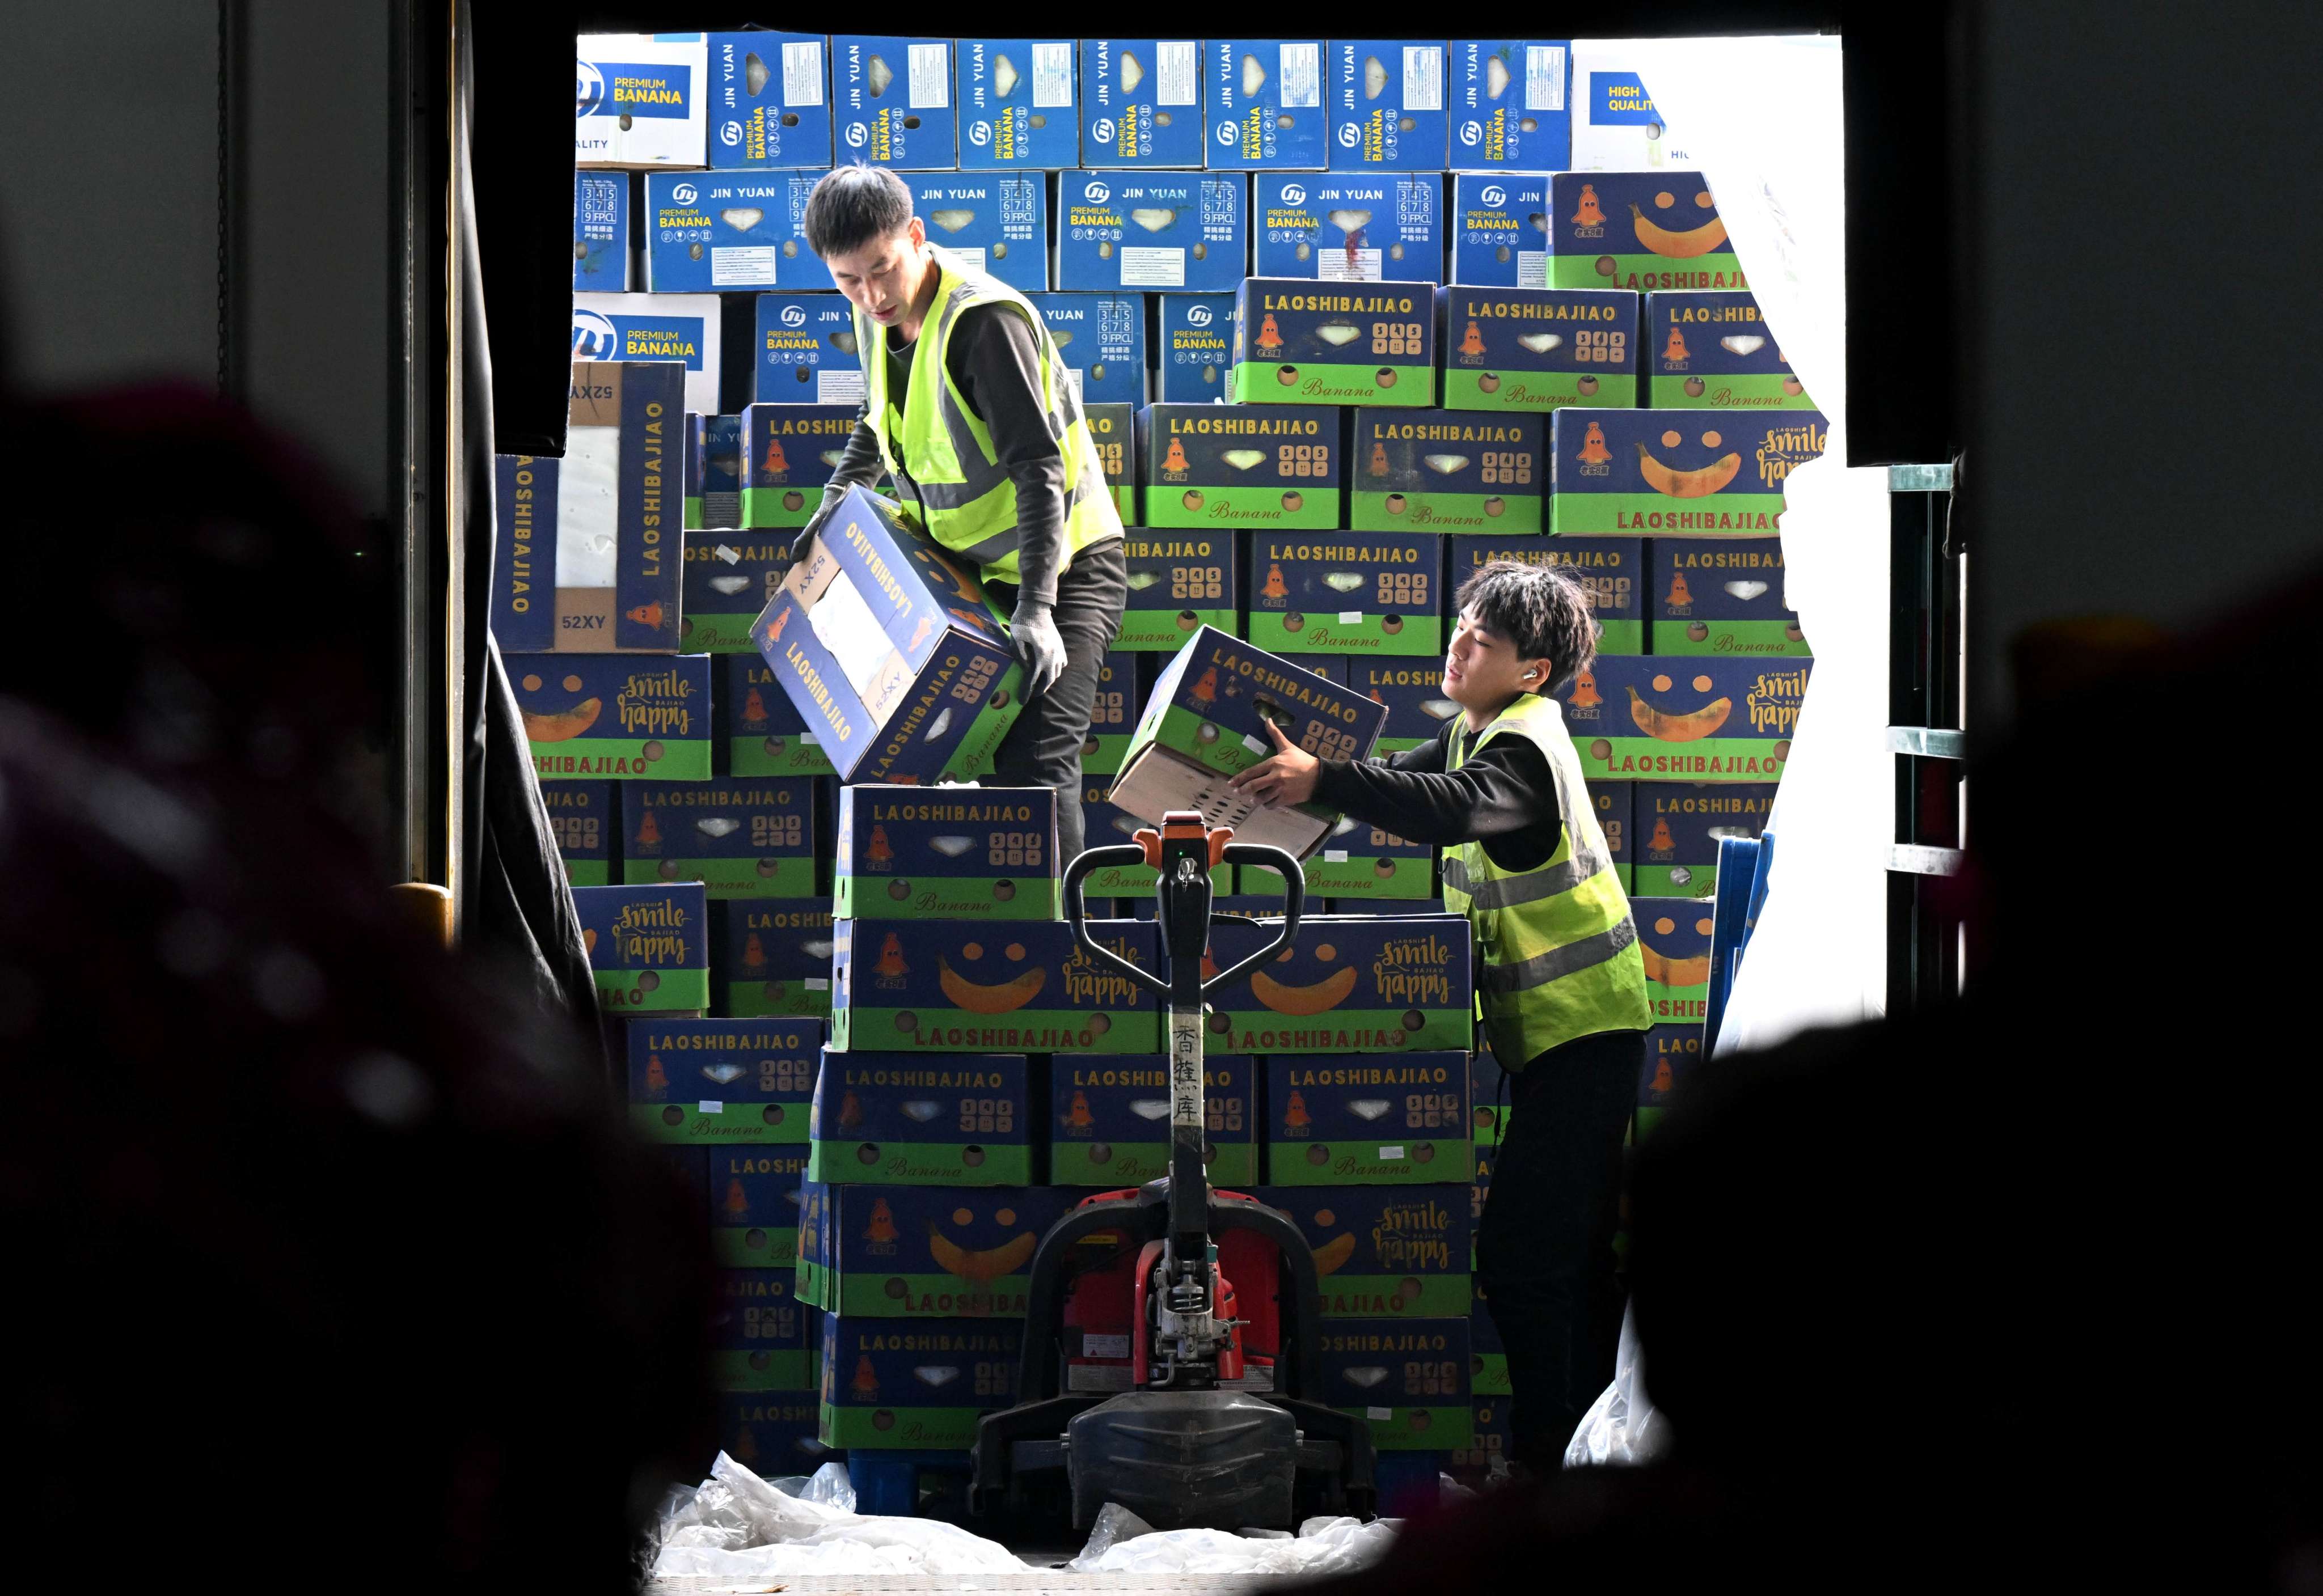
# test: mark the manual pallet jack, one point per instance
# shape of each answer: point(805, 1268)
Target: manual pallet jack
point(1169, 1358)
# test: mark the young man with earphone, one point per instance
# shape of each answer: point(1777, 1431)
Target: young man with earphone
point(1561, 984)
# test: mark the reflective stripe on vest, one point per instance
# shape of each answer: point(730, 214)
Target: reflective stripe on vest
point(1560, 951)
point(939, 453)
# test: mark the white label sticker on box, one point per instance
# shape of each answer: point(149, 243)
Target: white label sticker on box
point(1177, 72)
point(1544, 77)
point(710, 1106)
point(974, 257)
point(1379, 1413)
point(587, 495)
point(1391, 1152)
point(1348, 265)
point(803, 73)
point(1423, 77)
point(845, 625)
point(1532, 268)
point(838, 387)
point(1350, 617)
point(1073, 381)
point(1094, 1345)
point(1053, 74)
point(1256, 747)
point(1299, 76)
point(931, 76)
point(749, 267)
point(1335, 856)
point(728, 552)
point(809, 736)
point(816, 984)
point(1143, 266)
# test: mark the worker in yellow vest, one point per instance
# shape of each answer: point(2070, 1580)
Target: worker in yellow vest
point(1560, 977)
point(967, 412)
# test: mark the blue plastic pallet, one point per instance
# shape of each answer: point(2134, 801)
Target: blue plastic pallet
point(888, 1483)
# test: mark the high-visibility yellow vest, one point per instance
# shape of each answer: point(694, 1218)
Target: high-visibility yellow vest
point(939, 452)
point(1560, 956)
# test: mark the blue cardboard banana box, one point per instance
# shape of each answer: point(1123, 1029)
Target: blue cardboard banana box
point(773, 1432)
point(1196, 348)
point(1511, 104)
point(1480, 1191)
point(1101, 338)
point(950, 984)
point(1447, 471)
point(703, 1082)
point(729, 577)
point(1674, 934)
point(805, 351)
point(754, 1206)
point(619, 716)
point(945, 853)
point(1333, 1121)
point(1372, 593)
point(1680, 824)
point(1491, 1436)
point(1113, 713)
point(890, 651)
point(1105, 824)
point(1650, 231)
point(600, 233)
point(1263, 99)
point(758, 1332)
point(1349, 984)
point(715, 232)
point(1234, 465)
point(1384, 1252)
point(1018, 110)
point(1387, 106)
point(759, 732)
point(1410, 689)
point(773, 957)
point(1349, 227)
point(1113, 429)
point(584, 817)
point(587, 550)
point(639, 99)
point(648, 946)
point(1614, 570)
point(894, 101)
point(919, 1385)
point(1358, 864)
point(1303, 342)
point(740, 836)
point(1144, 231)
point(1408, 1377)
point(1499, 230)
point(1616, 806)
point(1537, 349)
point(769, 100)
point(681, 329)
point(1685, 719)
point(998, 222)
point(1723, 596)
point(1670, 1055)
point(1141, 103)
point(1712, 352)
point(1109, 1120)
point(914, 1119)
point(924, 1251)
point(1687, 473)
point(714, 471)
point(785, 455)
point(1180, 582)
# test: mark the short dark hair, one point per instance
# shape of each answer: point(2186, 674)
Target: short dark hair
point(854, 205)
point(1544, 610)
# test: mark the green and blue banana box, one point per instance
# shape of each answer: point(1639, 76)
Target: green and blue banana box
point(1671, 1053)
point(729, 577)
point(1679, 826)
point(1651, 232)
point(584, 817)
point(890, 651)
point(615, 716)
point(1408, 1377)
point(1143, 231)
point(1105, 824)
point(1141, 104)
point(1614, 570)
point(1113, 714)
point(1016, 103)
point(1358, 863)
point(1263, 102)
point(1349, 227)
point(918, 1119)
point(1723, 596)
point(1411, 691)
point(1687, 473)
point(703, 1082)
point(600, 233)
point(740, 836)
point(1349, 984)
point(1196, 348)
point(759, 731)
point(1493, 1436)
point(1109, 1120)
point(1384, 1252)
point(769, 106)
point(892, 98)
point(1712, 352)
point(758, 1332)
point(786, 452)
point(774, 958)
point(1113, 429)
point(922, 1252)
point(1345, 592)
point(995, 222)
point(1510, 105)
point(1101, 339)
point(1616, 806)
point(1336, 1120)
point(648, 946)
point(1537, 349)
point(1178, 582)
point(1387, 106)
point(1673, 934)
point(917, 1385)
point(1480, 1191)
point(1299, 341)
point(1210, 465)
point(1443, 471)
point(945, 853)
point(805, 357)
point(1499, 230)
point(754, 1206)
point(773, 1433)
point(1658, 719)
point(713, 472)
point(974, 985)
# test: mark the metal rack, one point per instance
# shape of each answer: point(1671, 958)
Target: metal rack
point(1925, 700)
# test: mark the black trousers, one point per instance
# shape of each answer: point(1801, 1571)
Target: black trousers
point(1545, 1245)
point(1044, 749)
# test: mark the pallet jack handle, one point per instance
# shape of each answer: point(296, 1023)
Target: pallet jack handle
point(1222, 848)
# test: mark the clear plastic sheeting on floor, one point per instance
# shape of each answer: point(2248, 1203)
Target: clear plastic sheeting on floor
point(1120, 1542)
point(1623, 1425)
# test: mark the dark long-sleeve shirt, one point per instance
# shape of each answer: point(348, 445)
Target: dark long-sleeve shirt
point(1503, 796)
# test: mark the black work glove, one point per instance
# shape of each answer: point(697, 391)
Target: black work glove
point(805, 539)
